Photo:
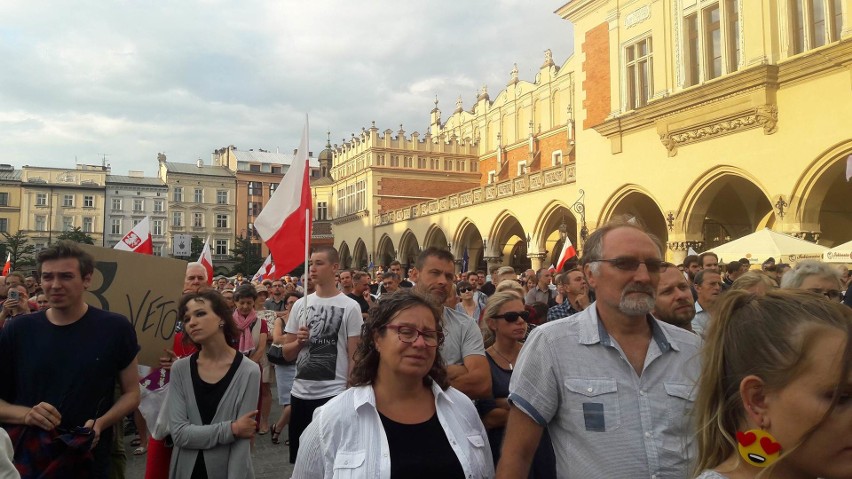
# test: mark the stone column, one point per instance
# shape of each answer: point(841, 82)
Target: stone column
point(493, 260)
point(536, 259)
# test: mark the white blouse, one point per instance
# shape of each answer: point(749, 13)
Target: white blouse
point(346, 437)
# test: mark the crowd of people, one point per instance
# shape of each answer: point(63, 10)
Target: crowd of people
point(622, 365)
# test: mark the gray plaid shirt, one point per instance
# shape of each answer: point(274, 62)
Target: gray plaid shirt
point(603, 418)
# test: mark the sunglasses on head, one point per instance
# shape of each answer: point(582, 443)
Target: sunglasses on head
point(628, 263)
point(512, 316)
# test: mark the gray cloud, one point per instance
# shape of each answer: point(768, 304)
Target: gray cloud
point(131, 78)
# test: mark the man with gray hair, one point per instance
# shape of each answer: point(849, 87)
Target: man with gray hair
point(610, 382)
point(196, 277)
point(708, 285)
point(816, 277)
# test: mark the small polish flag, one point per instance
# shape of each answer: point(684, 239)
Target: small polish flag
point(266, 269)
point(206, 260)
point(285, 222)
point(138, 239)
point(567, 253)
point(7, 268)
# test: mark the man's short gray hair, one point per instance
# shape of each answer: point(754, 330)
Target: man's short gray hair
point(809, 267)
point(593, 247)
point(196, 264)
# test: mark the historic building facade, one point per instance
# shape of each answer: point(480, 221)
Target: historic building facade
point(201, 203)
point(54, 200)
point(131, 198)
point(10, 199)
point(703, 119)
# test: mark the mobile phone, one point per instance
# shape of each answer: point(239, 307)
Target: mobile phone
point(14, 294)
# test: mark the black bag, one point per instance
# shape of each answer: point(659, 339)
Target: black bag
point(275, 355)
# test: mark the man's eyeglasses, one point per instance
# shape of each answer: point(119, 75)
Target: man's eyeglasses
point(627, 263)
point(831, 294)
point(407, 334)
point(512, 316)
point(464, 290)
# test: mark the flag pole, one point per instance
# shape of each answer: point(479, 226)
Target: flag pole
point(307, 261)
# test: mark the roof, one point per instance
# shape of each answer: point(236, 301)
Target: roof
point(325, 180)
point(134, 180)
point(10, 175)
point(268, 157)
point(194, 169)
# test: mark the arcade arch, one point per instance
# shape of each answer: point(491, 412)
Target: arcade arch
point(385, 252)
point(632, 201)
point(345, 256)
point(725, 205)
point(821, 197)
point(409, 249)
point(469, 238)
point(359, 255)
point(556, 223)
point(508, 241)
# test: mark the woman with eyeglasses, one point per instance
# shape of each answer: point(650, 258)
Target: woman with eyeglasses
point(284, 373)
point(775, 391)
point(212, 399)
point(468, 304)
point(400, 418)
point(816, 277)
point(506, 319)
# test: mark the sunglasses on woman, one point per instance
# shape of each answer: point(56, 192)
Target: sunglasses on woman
point(512, 316)
point(464, 290)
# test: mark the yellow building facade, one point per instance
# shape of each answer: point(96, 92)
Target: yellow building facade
point(704, 119)
point(10, 199)
point(54, 200)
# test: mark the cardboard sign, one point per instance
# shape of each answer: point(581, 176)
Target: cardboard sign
point(146, 289)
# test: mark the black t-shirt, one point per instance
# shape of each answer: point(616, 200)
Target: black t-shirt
point(73, 367)
point(421, 450)
point(207, 397)
point(365, 307)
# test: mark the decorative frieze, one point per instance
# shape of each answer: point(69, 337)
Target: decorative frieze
point(765, 116)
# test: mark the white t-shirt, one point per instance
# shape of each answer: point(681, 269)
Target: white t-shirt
point(323, 364)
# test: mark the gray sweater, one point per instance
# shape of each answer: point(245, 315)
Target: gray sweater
point(224, 455)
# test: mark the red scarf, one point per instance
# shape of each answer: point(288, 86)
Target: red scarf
point(244, 324)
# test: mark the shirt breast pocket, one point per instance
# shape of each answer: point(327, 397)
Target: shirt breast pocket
point(593, 404)
point(680, 399)
point(477, 451)
point(350, 465)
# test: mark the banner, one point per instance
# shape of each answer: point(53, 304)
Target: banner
point(145, 289)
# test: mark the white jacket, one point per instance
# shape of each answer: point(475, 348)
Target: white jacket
point(346, 437)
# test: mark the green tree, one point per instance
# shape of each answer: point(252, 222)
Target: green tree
point(246, 256)
point(76, 234)
point(195, 248)
point(22, 252)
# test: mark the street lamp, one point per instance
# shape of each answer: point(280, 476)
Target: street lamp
point(580, 208)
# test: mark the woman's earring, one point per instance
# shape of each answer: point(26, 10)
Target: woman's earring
point(221, 324)
point(758, 448)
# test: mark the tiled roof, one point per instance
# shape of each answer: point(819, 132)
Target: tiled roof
point(193, 169)
point(269, 157)
point(325, 180)
point(134, 180)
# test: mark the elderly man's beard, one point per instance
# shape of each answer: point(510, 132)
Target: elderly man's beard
point(633, 304)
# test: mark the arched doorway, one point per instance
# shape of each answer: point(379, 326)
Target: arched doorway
point(468, 241)
point(634, 203)
point(359, 255)
point(435, 238)
point(345, 256)
point(556, 224)
point(385, 252)
point(409, 249)
point(823, 197)
point(727, 205)
point(509, 242)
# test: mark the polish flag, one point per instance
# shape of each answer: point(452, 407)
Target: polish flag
point(7, 268)
point(285, 222)
point(567, 253)
point(138, 239)
point(266, 269)
point(206, 260)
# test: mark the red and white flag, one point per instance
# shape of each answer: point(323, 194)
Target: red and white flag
point(206, 260)
point(138, 239)
point(265, 270)
point(7, 268)
point(285, 222)
point(567, 253)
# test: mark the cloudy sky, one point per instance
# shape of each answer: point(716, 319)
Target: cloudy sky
point(131, 78)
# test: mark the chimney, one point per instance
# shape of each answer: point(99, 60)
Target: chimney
point(199, 163)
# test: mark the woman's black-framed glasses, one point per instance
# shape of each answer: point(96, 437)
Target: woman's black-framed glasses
point(512, 316)
point(407, 334)
point(629, 263)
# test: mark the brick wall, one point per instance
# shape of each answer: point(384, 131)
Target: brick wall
point(597, 101)
point(412, 187)
point(485, 166)
point(550, 144)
